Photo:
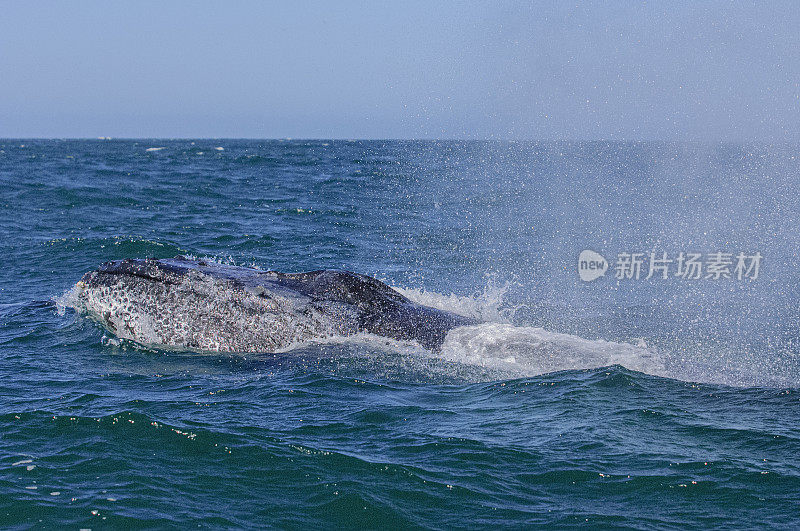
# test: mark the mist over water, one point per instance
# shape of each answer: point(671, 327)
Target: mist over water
point(601, 393)
point(471, 220)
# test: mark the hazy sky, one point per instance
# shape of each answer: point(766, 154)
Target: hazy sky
point(545, 70)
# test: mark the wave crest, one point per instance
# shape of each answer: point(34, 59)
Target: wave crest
point(531, 351)
point(486, 305)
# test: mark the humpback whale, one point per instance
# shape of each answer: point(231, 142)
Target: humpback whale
point(206, 306)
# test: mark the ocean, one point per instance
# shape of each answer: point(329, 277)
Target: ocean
point(654, 383)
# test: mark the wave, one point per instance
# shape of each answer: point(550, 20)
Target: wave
point(525, 351)
point(357, 453)
point(486, 305)
point(257, 160)
point(121, 246)
point(532, 351)
point(485, 352)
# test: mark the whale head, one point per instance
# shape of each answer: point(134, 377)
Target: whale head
point(199, 305)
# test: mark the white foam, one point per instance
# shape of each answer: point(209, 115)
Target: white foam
point(487, 305)
point(154, 149)
point(365, 339)
point(531, 351)
point(524, 351)
point(68, 299)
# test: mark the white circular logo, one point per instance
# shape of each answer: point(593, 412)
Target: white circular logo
point(591, 265)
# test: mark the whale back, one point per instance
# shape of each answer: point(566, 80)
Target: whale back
point(204, 305)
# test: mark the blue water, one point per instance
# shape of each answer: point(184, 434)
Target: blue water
point(644, 403)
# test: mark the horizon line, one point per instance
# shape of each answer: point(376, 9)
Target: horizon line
point(400, 139)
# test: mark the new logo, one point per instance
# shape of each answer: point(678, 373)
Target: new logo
point(591, 265)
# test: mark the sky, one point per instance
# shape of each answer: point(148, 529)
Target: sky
point(698, 71)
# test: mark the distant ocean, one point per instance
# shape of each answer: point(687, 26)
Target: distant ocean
point(632, 402)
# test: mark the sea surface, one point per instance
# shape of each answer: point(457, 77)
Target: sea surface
point(619, 402)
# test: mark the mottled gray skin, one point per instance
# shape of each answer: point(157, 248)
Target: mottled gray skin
point(200, 305)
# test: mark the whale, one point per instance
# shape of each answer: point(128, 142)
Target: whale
point(200, 305)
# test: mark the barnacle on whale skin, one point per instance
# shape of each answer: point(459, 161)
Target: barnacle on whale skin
point(201, 305)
